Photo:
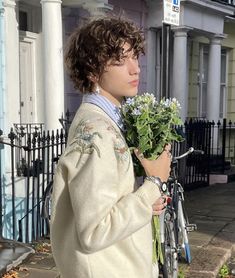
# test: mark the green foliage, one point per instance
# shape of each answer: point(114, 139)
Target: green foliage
point(181, 273)
point(150, 125)
point(224, 271)
point(183, 268)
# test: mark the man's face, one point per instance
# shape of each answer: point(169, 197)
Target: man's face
point(121, 78)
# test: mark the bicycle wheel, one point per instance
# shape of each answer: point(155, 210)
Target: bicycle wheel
point(46, 205)
point(169, 249)
point(183, 233)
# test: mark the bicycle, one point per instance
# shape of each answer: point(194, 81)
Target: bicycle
point(46, 205)
point(46, 200)
point(174, 224)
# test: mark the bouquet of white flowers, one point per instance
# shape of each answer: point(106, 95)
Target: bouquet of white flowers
point(150, 125)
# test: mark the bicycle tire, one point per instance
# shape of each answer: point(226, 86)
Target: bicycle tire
point(175, 204)
point(46, 205)
point(169, 248)
point(183, 234)
point(188, 253)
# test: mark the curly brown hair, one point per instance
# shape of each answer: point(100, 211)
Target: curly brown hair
point(93, 45)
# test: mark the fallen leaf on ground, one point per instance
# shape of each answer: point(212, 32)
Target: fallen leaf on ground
point(43, 247)
point(23, 268)
point(11, 274)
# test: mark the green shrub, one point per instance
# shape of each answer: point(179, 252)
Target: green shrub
point(224, 271)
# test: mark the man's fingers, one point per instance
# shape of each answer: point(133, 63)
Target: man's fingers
point(159, 207)
point(167, 147)
point(138, 154)
point(169, 155)
point(158, 212)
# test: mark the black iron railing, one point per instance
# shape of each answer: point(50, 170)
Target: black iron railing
point(31, 175)
point(217, 140)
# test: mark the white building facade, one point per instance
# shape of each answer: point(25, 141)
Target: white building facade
point(37, 88)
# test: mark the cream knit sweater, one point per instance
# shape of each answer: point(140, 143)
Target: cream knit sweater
point(101, 223)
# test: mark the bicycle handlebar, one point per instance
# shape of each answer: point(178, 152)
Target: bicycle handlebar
point(189, 151)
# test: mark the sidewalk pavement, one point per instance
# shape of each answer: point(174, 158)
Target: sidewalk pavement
point(37, 263)
point(212, 208)
point(11, 254)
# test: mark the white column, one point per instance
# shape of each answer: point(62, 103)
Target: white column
point(213, 83)
point(2, 68)
point(157, 63)
point(12, 97)
point(180, 68)
point(53, 73)
point(151, 60)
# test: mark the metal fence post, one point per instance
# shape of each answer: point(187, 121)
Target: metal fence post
point(223, 144)
point(12, 137)
point(1, 187)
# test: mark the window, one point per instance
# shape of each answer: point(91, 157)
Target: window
point(223, 98)
point(203, 79)
point(23, 21)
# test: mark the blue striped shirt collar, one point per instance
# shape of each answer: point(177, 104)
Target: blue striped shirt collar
point(107, 106)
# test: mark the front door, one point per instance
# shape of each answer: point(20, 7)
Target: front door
point(27, 81)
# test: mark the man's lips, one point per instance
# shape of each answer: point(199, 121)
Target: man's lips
point(134, 82)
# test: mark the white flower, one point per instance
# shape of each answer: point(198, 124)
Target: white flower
point(129, 101)
point(136, 112)
point(175, 101)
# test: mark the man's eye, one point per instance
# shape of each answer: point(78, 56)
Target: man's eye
point(119, 63)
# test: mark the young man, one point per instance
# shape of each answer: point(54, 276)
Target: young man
point(101, 221)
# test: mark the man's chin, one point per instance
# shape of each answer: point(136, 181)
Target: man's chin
point(131, 94)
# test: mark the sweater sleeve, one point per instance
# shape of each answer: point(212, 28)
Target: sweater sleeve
point(102, 214)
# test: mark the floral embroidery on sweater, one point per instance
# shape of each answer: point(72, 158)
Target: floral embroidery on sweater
point(120, 146)
point(121, 151)
point(83, 142)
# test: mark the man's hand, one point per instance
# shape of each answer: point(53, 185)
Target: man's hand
point(159, 205)
point(159, 167)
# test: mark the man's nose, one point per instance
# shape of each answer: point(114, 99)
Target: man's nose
point(134, 67)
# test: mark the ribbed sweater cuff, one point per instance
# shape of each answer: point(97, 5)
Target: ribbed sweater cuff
point(149, 191)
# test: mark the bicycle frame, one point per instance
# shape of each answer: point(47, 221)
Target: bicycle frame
point(174, 222)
